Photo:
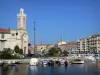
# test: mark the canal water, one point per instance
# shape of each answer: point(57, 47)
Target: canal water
point(74, 69)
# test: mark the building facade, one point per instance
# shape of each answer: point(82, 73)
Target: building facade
point(94, 44)
point(72, 47)
point(10, 38)
point(62, 45)
point(89, 45)
point(82, 45)
point(41, 47)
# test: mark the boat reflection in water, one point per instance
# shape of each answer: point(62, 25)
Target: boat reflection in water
point(32, 70)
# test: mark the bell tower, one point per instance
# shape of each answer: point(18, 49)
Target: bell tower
point(21, 24)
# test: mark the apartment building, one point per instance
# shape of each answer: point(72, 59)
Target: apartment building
point(82, 45)
point(94, 43)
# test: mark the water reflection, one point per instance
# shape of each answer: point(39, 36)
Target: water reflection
point(32, 70)
point(14, 70)
point(80, 69)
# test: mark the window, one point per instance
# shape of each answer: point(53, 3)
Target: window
point(2, 36)
point(16, 33)
point(13, 34)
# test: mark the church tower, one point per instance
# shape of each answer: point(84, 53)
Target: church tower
point(21, 20)
point(22, 35)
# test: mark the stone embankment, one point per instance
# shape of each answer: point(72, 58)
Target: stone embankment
point(25, 61)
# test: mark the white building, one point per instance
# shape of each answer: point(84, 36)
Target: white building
point(94, 44)
point(82, 45)
point(41, 47)
point(10, 38)
point(62, 45)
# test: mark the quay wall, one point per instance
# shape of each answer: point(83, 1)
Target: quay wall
point(27, 60)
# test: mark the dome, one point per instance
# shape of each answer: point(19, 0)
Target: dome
point(21, 10)
point(60, 43)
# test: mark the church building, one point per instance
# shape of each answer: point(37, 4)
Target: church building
point(10, 38)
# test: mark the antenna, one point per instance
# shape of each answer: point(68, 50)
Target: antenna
point(41, 42)
point(34, 35)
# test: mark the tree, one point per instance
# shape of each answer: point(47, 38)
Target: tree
point(18, 50)
point(7, 54)
point(65, 53)
point(94, 50)
point(54, 51)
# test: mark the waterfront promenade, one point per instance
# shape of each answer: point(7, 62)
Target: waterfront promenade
point(28, 59)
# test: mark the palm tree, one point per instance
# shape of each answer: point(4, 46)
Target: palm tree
point(94, 50)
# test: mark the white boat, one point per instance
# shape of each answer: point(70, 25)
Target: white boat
point(33, 62)
point(1, 62)
point(62, 61)
point(9, 62)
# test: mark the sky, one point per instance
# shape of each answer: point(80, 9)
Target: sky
point(73, 19)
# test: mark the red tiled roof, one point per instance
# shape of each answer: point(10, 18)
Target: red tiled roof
point(4, 30)
point(71, 43)
point(82, 38)
point(95, 35)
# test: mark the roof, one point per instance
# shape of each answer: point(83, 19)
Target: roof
point(41, 45)
point(95, 36)
point(60, 43)
point(4, 30)
point(82, 38)
point(71, 43)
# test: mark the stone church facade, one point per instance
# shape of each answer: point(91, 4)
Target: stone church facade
point(10, 38)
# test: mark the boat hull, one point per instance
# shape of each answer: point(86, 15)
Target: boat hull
point(78, 62)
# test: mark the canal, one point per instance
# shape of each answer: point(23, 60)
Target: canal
point(74, 69)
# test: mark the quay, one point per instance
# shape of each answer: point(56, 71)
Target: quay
point(28, 59)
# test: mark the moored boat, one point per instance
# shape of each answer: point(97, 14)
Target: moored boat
point(77, 61)
point(33, 62)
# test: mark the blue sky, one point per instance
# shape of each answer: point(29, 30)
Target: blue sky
point(73, 18)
